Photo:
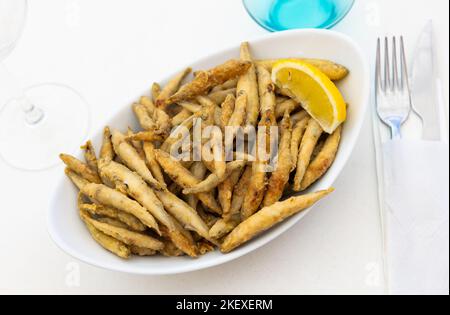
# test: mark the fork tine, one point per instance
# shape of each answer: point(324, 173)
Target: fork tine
point(404, 67)
point(395, 83)
point(379, 85)
point(387, 73)
point(393, 102)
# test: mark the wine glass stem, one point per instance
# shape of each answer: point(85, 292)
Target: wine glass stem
point(33, 114)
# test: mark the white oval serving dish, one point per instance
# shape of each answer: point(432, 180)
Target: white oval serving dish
point(69, 233)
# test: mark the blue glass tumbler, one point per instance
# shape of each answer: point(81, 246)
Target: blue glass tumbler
point(279, 15)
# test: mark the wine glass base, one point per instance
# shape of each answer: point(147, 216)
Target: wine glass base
point(63, 128)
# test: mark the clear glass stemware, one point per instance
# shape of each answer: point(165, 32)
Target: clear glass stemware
point(37, 122)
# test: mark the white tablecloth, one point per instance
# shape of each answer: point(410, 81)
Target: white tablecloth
point(110, 51)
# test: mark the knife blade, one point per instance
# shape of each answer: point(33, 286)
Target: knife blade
point(423, 79)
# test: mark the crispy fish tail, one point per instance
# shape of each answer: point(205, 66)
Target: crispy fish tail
point(309, 141)
point(80, 168)
point(323, 161)
point(268, 217)
point(205, 80)
point(109, 243)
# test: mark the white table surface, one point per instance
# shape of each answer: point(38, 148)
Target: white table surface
point(111, 50)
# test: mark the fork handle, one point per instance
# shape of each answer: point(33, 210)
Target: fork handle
point(395, 124)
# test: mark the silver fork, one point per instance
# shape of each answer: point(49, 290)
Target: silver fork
point(392, 93)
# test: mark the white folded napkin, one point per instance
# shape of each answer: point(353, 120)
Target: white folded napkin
point(416, 213)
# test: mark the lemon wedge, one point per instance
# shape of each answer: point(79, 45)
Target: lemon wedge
point(318, 95)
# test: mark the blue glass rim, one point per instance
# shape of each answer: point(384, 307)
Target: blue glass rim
point(331, 25)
